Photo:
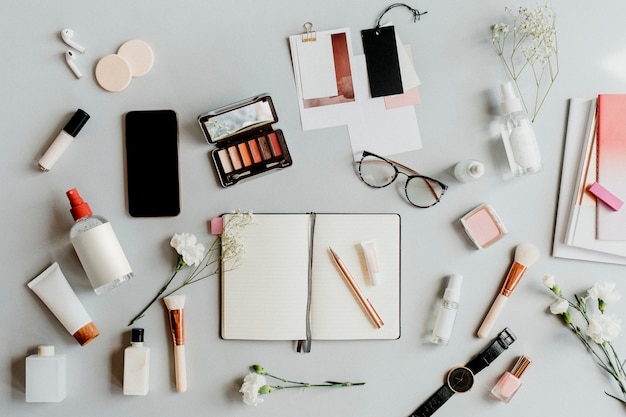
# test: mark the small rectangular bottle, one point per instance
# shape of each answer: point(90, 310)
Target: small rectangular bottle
point(136, 365)
point(45, 376)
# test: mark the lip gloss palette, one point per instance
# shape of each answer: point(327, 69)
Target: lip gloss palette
point(246, 143)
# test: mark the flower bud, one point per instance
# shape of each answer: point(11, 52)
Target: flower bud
point(259, 369)
point(265, 389)
point(567, 317)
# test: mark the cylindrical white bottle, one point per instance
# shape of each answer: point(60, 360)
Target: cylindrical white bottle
point(518, 135)
point(136, 365)
point(97, 247)
point(469, 170)
point(45, 376)
point(446, 315)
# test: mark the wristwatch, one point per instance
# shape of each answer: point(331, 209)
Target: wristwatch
point(461, 378)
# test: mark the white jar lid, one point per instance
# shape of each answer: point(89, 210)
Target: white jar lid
point(45, 350)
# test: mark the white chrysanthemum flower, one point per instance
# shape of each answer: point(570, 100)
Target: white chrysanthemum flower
point(604, 291)
point(188, 247)
point(252, 384)
point(603, 327)
point(559, 307)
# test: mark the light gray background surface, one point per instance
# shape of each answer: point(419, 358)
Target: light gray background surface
point(210, 54)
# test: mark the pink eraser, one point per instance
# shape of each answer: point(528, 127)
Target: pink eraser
point(217, 225)
point(605, 196)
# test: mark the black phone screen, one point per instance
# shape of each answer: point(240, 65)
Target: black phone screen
point(152, 163)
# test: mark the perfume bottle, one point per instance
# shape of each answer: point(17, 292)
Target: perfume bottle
point(97, 247)
point(45, 376)
point(136, 365)
point(518, 135)
point(469, 170)
point(509, 382)
point(446, 315)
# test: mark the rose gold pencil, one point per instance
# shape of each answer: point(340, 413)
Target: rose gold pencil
point(365, 303)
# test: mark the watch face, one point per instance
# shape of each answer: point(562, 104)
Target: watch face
point(460, 379)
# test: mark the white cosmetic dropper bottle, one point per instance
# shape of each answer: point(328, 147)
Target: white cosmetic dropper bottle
point(469, 170)
point(447, 311)
point(518, 135)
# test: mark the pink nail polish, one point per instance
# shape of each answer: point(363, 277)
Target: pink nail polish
point(509, 382)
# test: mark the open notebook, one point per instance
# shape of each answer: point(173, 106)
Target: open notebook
point(266, 296)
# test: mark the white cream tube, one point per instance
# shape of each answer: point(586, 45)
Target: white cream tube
point(371, 259)
point(52, 288)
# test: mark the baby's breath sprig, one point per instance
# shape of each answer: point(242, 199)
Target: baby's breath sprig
point(226, 251)
point(529, 43)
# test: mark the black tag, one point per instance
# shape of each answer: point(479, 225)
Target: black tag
point(381, 58)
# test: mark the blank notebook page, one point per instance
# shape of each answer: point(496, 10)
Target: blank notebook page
point(265, 298)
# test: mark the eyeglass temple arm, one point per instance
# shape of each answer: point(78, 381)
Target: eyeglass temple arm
point(406, 168)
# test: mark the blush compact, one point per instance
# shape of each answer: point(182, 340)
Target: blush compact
point(246, 142)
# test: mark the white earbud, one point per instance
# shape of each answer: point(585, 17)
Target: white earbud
point(66, 35)
point(69, 58)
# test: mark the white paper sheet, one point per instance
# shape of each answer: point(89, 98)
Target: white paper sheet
point(378, 129)
point(317, 67)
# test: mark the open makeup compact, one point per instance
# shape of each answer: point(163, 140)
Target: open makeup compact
point(246, 143)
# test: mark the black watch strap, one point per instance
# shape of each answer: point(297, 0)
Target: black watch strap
point(501, 343)
point(433, 403)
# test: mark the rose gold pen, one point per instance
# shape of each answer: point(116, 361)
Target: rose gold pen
point(365, 303)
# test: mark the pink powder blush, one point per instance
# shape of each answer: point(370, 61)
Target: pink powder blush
point(483, 226)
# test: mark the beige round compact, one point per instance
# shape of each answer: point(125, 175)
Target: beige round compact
point(133, 59)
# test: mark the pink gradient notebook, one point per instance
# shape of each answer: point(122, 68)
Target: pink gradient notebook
point(611, 225)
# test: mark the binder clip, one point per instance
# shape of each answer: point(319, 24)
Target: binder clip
point(309, 35)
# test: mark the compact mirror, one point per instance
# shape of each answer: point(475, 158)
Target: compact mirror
point(239, 120)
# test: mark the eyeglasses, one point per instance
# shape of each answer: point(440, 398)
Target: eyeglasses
point(379, 172)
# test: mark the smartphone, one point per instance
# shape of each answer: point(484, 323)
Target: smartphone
point(152, 172)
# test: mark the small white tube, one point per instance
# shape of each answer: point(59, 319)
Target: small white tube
point(63, 140)
point(371, 259)
point(52, 288)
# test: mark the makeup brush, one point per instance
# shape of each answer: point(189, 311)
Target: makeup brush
point(175, 305)
point(525, 255)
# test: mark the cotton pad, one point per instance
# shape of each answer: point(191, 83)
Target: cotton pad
point(139, 55)
point(113, 72)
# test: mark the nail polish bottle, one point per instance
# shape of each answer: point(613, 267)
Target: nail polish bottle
point(97, 246)
point(45, 376)
point(446, 315)
point(509, 382)
point(136, 365)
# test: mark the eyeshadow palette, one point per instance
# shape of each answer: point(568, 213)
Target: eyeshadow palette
point(246, 143)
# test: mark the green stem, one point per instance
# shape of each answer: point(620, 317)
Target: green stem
point(180, 263)
point(299, 384)
point(306, 385)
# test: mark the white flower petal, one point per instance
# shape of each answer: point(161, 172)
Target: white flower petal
point(560, 306)
point(250, 388)
point(603, 327)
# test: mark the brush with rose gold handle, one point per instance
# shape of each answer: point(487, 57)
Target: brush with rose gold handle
point(525, 255)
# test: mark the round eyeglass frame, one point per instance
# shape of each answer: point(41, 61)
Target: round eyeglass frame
point(415, 175)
